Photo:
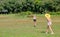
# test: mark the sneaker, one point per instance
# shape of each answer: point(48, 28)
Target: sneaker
point(46, 32)
point(52, 33)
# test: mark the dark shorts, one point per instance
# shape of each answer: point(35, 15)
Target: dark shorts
point(34, 20)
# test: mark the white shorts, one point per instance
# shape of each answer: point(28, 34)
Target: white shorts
point(49, 23)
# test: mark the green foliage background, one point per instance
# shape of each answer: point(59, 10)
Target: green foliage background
point(35, 6)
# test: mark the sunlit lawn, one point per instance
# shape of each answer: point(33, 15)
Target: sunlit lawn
point(17, 26)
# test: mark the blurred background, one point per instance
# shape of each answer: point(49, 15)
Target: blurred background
point(34, 6)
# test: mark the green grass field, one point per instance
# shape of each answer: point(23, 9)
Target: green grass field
point(17, 26)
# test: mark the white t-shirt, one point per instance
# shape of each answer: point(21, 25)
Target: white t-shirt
point(34, 17)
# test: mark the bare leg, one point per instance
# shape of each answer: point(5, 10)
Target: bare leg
point(47, 29)
point(35, 24)
point(51, 30)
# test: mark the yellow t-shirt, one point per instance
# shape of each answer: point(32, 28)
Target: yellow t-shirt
point(47, 16)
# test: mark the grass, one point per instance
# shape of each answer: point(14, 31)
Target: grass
point(16, 26)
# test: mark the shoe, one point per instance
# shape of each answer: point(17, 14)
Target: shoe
point(52, 33)
point(46, 32)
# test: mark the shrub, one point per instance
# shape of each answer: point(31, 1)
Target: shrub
point(55, 13)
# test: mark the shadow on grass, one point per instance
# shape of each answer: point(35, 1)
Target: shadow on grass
point(42, 31)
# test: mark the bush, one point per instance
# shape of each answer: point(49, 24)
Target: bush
point(55, 13)
point(26, 13)
point(30, 5)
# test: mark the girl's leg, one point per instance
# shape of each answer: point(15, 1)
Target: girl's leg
point(47, 29)
point(51, 30)
point(34, 23)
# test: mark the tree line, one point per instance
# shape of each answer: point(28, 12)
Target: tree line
point(36, 6)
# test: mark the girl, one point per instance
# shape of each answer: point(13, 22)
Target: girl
point(49, 23)
point(34, 19)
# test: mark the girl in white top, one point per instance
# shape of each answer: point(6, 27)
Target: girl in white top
point(34, 19)
point(48, 17)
